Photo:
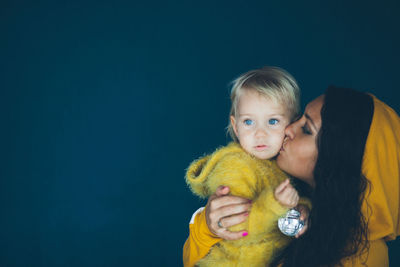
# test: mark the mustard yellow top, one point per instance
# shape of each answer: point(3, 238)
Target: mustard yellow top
point(199, 242)
point(381, 166)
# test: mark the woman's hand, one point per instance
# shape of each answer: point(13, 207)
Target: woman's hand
point(304, 213)
point(223, 211)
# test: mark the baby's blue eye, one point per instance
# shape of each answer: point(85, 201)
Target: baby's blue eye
point(273, 121)
point(248, 122)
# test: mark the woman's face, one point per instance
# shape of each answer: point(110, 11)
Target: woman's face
point(299, 150)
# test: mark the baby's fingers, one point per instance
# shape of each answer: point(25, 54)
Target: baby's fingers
point(282, 187)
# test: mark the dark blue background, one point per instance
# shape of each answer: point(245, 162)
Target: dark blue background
point(105, 103)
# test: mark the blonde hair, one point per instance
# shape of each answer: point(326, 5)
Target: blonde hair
point(271, 82)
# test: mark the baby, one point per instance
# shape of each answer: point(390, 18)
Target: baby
point(264, 102)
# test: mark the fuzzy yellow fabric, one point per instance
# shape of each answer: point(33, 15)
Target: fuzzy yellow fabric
point(381, 166)
point(251, 178)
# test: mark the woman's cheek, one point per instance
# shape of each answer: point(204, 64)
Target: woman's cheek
point(309, 160)
point(296, 160)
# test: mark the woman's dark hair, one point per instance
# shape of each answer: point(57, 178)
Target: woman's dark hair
point(338, 228)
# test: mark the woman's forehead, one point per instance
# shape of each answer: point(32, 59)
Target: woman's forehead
point(313, 110)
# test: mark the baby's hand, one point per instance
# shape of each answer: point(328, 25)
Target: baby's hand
point(286, 195)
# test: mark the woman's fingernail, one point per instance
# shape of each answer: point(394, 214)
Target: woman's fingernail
point(245, 233)
point(246, 214)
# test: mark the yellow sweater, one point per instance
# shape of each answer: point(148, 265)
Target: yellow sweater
point(247, 177)
point(381, 167)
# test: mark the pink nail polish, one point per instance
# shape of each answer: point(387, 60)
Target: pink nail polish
point(246, 214)
point(245, 233)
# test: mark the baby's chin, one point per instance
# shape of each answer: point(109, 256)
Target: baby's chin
point(263, 156)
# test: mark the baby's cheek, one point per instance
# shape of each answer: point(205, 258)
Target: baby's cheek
point(279, 137)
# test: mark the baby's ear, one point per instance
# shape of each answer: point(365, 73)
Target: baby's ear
point(233, 123)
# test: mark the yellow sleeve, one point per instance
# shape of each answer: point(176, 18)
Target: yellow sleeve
point(264, 213)
point(234, 169)
point(376, 256)
point(199, 242)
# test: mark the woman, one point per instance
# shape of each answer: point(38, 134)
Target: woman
point(346, 147)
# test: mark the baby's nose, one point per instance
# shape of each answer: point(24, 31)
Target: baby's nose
point(261, 131)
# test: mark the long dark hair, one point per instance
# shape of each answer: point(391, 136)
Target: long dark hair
point(338, 228)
